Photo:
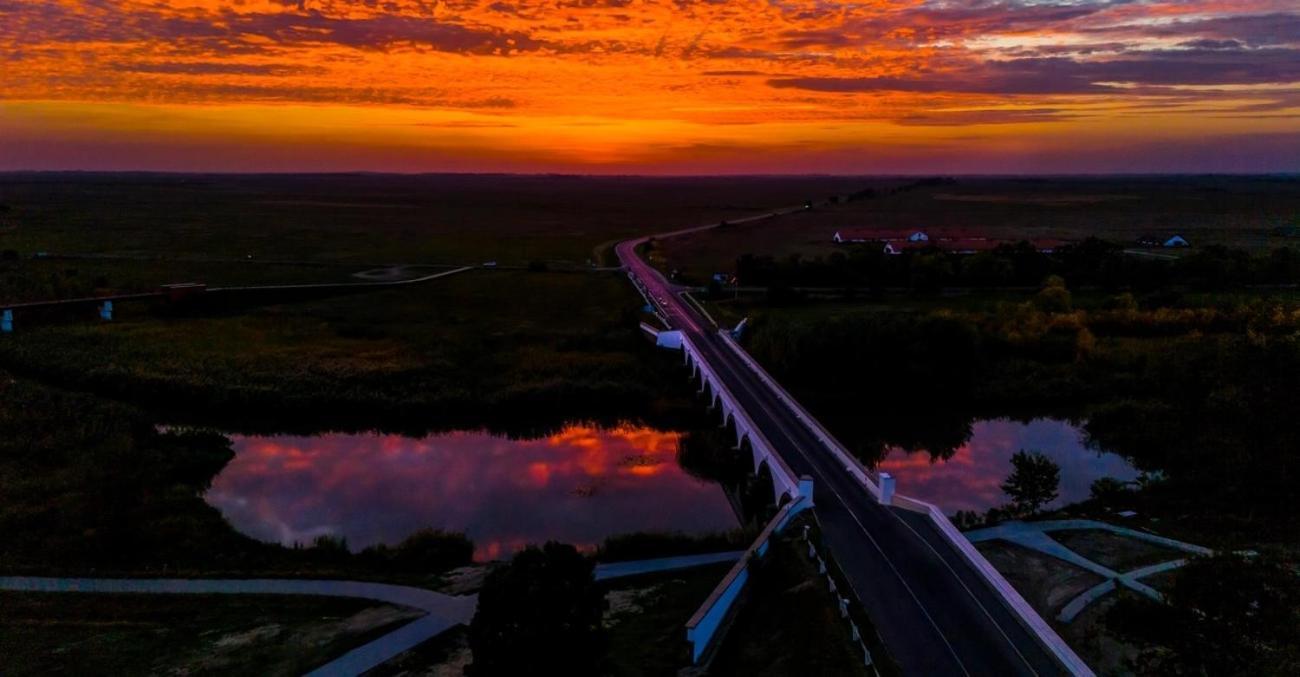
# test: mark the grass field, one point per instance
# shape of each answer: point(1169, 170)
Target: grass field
point(359, 218)
point(78, 634)
point(790, 625)
point(27, 280)
point(462, 344)
point(646, 620)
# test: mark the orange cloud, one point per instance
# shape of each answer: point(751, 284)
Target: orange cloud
point(648, 85)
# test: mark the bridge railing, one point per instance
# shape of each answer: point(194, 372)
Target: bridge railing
point(1025, 614)
point(708, 625)
point(781, 472)
point(850, 462)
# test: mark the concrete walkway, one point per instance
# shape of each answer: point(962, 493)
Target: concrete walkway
point(442, 612)
point(1034, 535)
point(401, 595)
point(649, 566)
point(1000, 530)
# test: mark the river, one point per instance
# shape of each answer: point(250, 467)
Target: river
point(971, 478)
point(578, 486)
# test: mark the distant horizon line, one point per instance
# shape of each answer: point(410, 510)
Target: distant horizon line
point(754, 175)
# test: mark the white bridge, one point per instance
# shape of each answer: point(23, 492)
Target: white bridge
point(785, 484)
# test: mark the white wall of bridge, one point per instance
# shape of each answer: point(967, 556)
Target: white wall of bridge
point(784, 481)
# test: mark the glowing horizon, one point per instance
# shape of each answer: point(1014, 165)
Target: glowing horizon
point(651, 86)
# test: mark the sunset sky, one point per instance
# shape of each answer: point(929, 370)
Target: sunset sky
point(651, 86)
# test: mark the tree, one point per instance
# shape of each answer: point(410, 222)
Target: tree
point(714, 289)
point(431, 550)
point(539, 615)
point(1107, 489)
point(1054, 297)
point(929, 271)
point(987, 269)
point(1033, 482)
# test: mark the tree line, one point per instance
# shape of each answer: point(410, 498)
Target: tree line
point(1092, 262)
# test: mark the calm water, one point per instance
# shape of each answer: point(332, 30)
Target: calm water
point(971, 479)
point(577, 486)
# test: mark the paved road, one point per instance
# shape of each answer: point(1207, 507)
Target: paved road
point(442, 612)
point(935, 613)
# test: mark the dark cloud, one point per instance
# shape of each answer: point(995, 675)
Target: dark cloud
point(935, 21)
point(594, 4)
point(985, 117)
point(373, 96)
point(218, 68)
point(1066, 50)
point(100, 21)
point(1206, 43)
point(387, 31)
point(1059, 75)
point(1254, 30)
point(1047, 76)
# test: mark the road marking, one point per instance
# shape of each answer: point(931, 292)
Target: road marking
point(970, 592)
point(891, 513)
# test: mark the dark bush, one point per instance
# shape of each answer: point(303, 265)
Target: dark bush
point(540, 615)
point(651, 545)
point(433, 550)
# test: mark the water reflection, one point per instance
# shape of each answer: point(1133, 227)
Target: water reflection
point(971, 478)
point(578, 486)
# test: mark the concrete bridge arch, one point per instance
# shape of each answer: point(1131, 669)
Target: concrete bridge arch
point(734, 418)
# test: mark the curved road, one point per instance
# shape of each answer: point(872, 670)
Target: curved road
point(934, 612)
point(442, 612)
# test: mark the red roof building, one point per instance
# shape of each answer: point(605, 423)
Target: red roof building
point(952, 240)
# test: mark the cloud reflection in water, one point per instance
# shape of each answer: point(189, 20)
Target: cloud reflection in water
point(579, 486)
point(972, 478)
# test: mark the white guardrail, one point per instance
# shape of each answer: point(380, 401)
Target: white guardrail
point(781, 472)
point(1029, 618)
point(849, 461)
point(1023, 611)
point(709, 623)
